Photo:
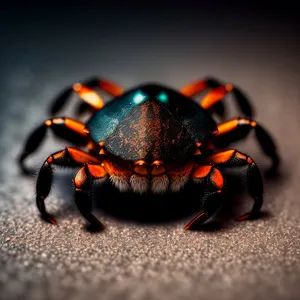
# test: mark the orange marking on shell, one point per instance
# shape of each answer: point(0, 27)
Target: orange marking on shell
point(202, 171)
point(213, 97)
point(253, 124)
point(50, 160)
point(217, 179)
point(198, 144)
point(101, 144)
point(221, 157)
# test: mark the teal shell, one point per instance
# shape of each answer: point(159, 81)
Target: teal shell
point(151, 122)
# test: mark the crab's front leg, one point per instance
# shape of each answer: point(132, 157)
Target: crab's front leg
point(69, 157)
point(65, 128)
point(85, 91)
point(212, 201)
point(84, 178)
point(83, 181)
point(234, 158)
point(212, 101)
point(238, 128)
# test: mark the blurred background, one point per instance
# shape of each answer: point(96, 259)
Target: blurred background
point(46, 48)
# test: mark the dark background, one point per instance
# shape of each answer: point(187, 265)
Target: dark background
point(145, 253)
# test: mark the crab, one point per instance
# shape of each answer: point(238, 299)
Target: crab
point(151, 139)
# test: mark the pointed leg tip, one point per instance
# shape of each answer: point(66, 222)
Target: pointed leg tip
point(197, 221)
point(49, 219)
point(53, 222)
point(187, 227)
point(101, 226)
point(273, 171)
point(95, 228)
point(24, 169)
point(245, 217)
point(26, 172)
point(242, 218)
point(191, 227)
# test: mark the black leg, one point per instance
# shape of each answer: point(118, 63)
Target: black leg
point(85, 91)
point(213, 198)
point(83, 199)
point(212, 101)
point(70, 157)
point(254, 181)
point(238, 128)
point(65, 128)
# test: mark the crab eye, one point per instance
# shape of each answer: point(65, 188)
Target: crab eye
point(139, 97)
point(163, 97)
